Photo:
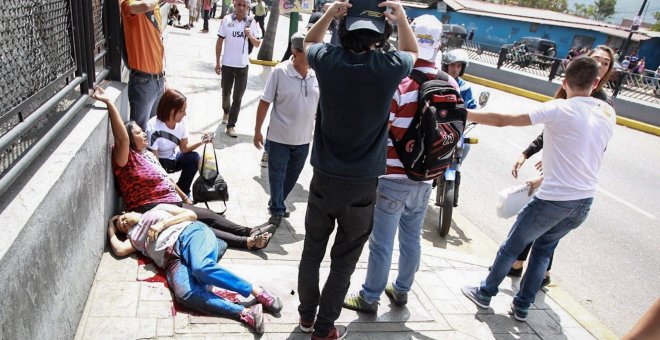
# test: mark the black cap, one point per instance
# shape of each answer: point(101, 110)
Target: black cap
point(365, 14)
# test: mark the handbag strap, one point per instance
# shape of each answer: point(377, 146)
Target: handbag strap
point(215, 158)
point(219, 213)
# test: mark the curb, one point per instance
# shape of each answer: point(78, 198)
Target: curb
point(560, 296)
point(633, 124)
point(264, 62)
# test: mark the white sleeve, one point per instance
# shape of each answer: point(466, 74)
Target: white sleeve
point(271, 85)
point(222, 30)
point(184, 129)
point(545, 113)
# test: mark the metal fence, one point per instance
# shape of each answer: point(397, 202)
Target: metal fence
point(51, 53)
point(621, 83)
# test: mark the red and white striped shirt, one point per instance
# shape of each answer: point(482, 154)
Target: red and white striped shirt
point(402, 111)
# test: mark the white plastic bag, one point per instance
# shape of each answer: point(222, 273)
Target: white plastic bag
point(511, 200)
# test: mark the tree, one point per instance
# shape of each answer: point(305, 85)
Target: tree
point(552, 5)
point(656, 26)
point(604, 9)
point(268, 44)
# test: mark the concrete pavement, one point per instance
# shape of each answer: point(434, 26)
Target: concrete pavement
point(129, 300)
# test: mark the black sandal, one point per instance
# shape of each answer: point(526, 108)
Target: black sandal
point(260, 237)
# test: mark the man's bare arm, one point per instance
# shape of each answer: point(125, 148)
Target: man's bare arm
point(499, 119)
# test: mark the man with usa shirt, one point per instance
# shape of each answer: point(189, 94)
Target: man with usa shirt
point(237, 31)
point(401, 202)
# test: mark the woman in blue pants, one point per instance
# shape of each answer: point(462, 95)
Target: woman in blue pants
point(189, 251)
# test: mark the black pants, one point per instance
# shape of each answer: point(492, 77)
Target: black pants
point(215, 6)
point(262, 21)
point(523, 256)
point(234, 234)
point(351, 204)
point(236, 78)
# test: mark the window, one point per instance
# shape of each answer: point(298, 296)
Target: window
point(534, 27)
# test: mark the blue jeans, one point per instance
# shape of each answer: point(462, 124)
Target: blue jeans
point(194, 266)
point(285, 163)
point(400, 204)
point(143, 93)
point(544, 223)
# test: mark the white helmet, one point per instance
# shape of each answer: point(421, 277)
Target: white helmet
point(453, 56)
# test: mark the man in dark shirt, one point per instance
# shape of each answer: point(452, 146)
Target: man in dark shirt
point(356, 83)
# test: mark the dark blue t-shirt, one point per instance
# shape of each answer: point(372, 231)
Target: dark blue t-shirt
point(350, 136)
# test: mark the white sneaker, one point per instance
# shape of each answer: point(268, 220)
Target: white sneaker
point(231, 132)
point(225, 118)
point(264, 160)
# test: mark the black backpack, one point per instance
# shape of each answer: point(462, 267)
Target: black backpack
point(248, 23)
point(427, 146)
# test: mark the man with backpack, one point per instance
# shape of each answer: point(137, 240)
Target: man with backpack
point(237, 32)
point(402, 201)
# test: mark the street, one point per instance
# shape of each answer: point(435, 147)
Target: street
point(610, 263)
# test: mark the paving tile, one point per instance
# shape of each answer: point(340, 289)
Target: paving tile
point(120, 328)
point(115, 299)
point(563, 318)
point(499, 323)
point(116, 269)
point(154, 291)
point(577, 333)
point(516, 337)
point(469, 325)
point(155, 309)
point(165, 327)
point(545, 326)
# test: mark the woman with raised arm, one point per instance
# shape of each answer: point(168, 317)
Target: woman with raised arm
point(143, 183)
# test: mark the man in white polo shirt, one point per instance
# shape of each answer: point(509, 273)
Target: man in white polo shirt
point(294, 92)
point(236, 32)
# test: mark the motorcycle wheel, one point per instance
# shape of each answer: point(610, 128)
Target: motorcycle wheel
point(446, 191)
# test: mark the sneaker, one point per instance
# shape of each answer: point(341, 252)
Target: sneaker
point(204, 31)
point(336, 333)
point(306, 326)
point(356, 302)
point(518, 313)
point(264, 160)
point(231, 132)
point(275, 220)
point(287, 214)
point(225, 118)
point(399, 299)
point(254, 317)
point(546, 281)
point(271, 303)
point(475, 296)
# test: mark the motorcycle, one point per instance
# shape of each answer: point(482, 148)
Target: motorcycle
point(449, 183)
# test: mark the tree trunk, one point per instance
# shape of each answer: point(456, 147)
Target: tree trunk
point(267, 45)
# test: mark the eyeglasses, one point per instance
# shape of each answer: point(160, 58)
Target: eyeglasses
point(304, 87)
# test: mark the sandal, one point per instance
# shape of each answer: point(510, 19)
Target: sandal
point(259, 241)
point(264, 228)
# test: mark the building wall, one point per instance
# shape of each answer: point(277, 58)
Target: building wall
point(650, 49)
point(496, 31)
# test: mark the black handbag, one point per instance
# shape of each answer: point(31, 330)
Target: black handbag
point(210, 186)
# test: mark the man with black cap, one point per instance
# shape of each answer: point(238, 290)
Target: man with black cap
point(357, 83)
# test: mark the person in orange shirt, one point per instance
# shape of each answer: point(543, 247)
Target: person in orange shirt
point(145, 56)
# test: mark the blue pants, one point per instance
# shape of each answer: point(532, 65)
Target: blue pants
point(194, 266)
point(400, 204)
point(285, 163)
point(544, 223)
point(143, 93)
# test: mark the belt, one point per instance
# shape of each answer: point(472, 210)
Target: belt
point(141, 74)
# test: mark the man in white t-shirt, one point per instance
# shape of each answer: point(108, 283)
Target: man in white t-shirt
point(236, 32)
point(294, 92)
point(576, 133)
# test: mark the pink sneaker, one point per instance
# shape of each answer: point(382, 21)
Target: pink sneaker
point(271, 303)
point(254, 317)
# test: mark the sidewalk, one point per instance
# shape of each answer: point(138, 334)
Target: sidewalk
point(128, 299)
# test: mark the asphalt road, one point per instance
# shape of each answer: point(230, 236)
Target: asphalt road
point(611, 263)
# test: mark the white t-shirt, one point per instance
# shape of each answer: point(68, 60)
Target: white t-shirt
point(295, 101)
point(235, 49)
point(575, 136)
point(165, 147)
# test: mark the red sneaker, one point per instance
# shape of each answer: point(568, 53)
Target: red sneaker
point(254, 317)
point(306, 326)
point(271, 303)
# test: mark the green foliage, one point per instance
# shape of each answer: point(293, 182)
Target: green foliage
point(600, 10)
point(656, 26)
point(552, 5)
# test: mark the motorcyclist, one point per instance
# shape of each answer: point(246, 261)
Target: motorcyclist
point(454, 62)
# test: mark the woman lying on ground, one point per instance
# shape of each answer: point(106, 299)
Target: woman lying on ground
point(143, 183)
point(188, 251)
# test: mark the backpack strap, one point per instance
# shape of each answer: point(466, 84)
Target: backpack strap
point(166, 135)
point(418, 76)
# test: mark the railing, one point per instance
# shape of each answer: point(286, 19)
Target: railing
point(621, 83)
point(52, 52)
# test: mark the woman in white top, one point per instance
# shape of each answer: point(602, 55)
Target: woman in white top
point(167, 131)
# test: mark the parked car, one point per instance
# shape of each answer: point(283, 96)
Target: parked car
point(453, 36)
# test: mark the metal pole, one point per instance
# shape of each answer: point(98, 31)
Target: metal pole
point(622, 53)
point(293, 23)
